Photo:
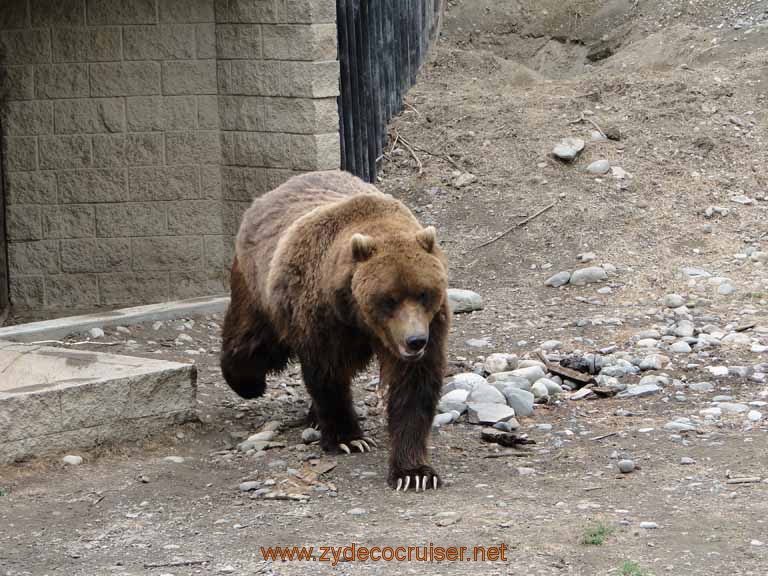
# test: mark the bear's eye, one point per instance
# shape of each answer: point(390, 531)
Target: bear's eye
point(423, 298)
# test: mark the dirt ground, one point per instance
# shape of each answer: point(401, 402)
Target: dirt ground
point(682, 86)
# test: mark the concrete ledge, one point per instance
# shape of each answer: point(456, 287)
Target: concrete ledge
point(54, 399)
point(62, 327)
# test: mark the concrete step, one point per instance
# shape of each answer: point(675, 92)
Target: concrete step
point(56, 399)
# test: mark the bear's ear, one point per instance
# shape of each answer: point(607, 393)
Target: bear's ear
point(427, 238)
point(362, 247)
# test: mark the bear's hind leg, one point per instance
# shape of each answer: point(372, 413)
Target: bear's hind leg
point(333, 411)
point(250, 346)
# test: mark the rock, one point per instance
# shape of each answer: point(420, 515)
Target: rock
point(673, 301)
point(497, 362)
point(509, 382)
point(696, 273)
point(654, 362)
point(174, 459)
point(619, 173)
point(725, 289)
point(485, 394)
point(540, 390)
point(462, 301)
point(718, 371)
point(464, 179)
point(96, 333)
point(639, 390)
point(72, 460)
point(551, 345)
point(626, 466)
point(737, 339)
point(584, 276)
point(605, 290)
point(680, 425)
point(478, 343)
point(680, 347)
point(464, 381)
point(741, 199)
point(686, 461)
point(599, 167)
point(553, 388)
point(653, 379)
point(530, 373)
point(310, 435)
point(446, 518)
point(754, 416)
point(521, 401)
point(732, 407)
point(647, 343)
point(248, 486)
point(530, 363)
point(443, 419)
point(568, 148)
point(227, 569)
point(507, 426)
point(585, 257)
point(559, 279)
point(581, 394)
point(454, 400)
point(357, 512)
point(489, 413)
point(684, 328)
point(649, 525)
point(648, 334)
point(714, 412)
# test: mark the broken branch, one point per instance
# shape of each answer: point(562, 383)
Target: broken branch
point(511, 228)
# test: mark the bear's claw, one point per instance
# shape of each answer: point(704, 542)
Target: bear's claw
point(422, 482)
point(361, 444)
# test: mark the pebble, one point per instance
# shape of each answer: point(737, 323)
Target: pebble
point(605, 290)
point(357, 512)
point(673, 301)
point(248, 486)
point(718, 371)
point(684, 328)
point(701, 387)
point(687, 461)
point(530, 373)
point(654, 362)
point(485, 394)
point(553, 388)
point(464, 381)
point(508, 380)
point(478, 343)
point(568, 148)
point(559, 279)
point(96, 333)
point(309, 435)
point(599, 167)
point(581, 394)
point(551, 345)
point(228, 569)
point(647, 343)
point(714, 412)
point(626, 466)
point(464, 179)
point(639, 391)
point(649, 525)
point(680, 347)
point(680, 425)
point(443, 419)
point(732, 407)
point(726, 289)
point(584, 276)
point(462, 301)
point(446, 518)
point(619, 173)
point(754, 416)
point(174, 459)
point(72, 460)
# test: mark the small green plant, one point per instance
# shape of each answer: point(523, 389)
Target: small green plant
point(3, 491)
point(632, 569)
point(596, 535)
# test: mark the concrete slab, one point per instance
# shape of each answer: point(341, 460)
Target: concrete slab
point(62, 327)
point(54, 399)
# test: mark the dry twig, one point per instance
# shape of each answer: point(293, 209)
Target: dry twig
point(511, 228)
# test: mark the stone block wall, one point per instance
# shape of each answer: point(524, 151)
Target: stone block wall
point(135, 132)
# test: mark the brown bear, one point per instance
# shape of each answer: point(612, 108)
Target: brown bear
point(332, 272)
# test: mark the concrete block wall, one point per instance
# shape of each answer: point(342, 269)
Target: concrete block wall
point(135, 132)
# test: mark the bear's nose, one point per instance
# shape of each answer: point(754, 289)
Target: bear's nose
point(416, 343)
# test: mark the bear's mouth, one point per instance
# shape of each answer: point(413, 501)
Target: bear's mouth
point(411, 356)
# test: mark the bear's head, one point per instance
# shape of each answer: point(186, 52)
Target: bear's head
point(399, 284)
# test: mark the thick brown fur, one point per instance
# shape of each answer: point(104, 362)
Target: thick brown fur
point(331, 271)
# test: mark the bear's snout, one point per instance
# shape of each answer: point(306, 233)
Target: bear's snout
point(416, 343)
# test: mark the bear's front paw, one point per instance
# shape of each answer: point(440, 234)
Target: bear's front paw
point(423, 477)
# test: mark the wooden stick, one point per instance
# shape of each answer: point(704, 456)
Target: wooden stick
point(174, 564)
point(511, 228)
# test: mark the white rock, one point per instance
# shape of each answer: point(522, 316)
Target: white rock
point(559, 279)
point(680, 347)
point(568, 148)
point(500, 363)
point(530, 373)
point(96, 333)
point(462, 301)
point(673, 301)
point(649, 525)
point(599, 167)
point(639, 391)
point(581, 394)
point(174, 459)
point(454, 400)
point(718, 371)
point(711, 413)
point(489, 413)
point(72, 460)
point(464, 381)
point(553, 388)
point(485, 394)
point(521, 401)
point(551, 345)
point(584, 276)
point(464, 179)
point(754, 416)
point(732, 407)
point(539, 389)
